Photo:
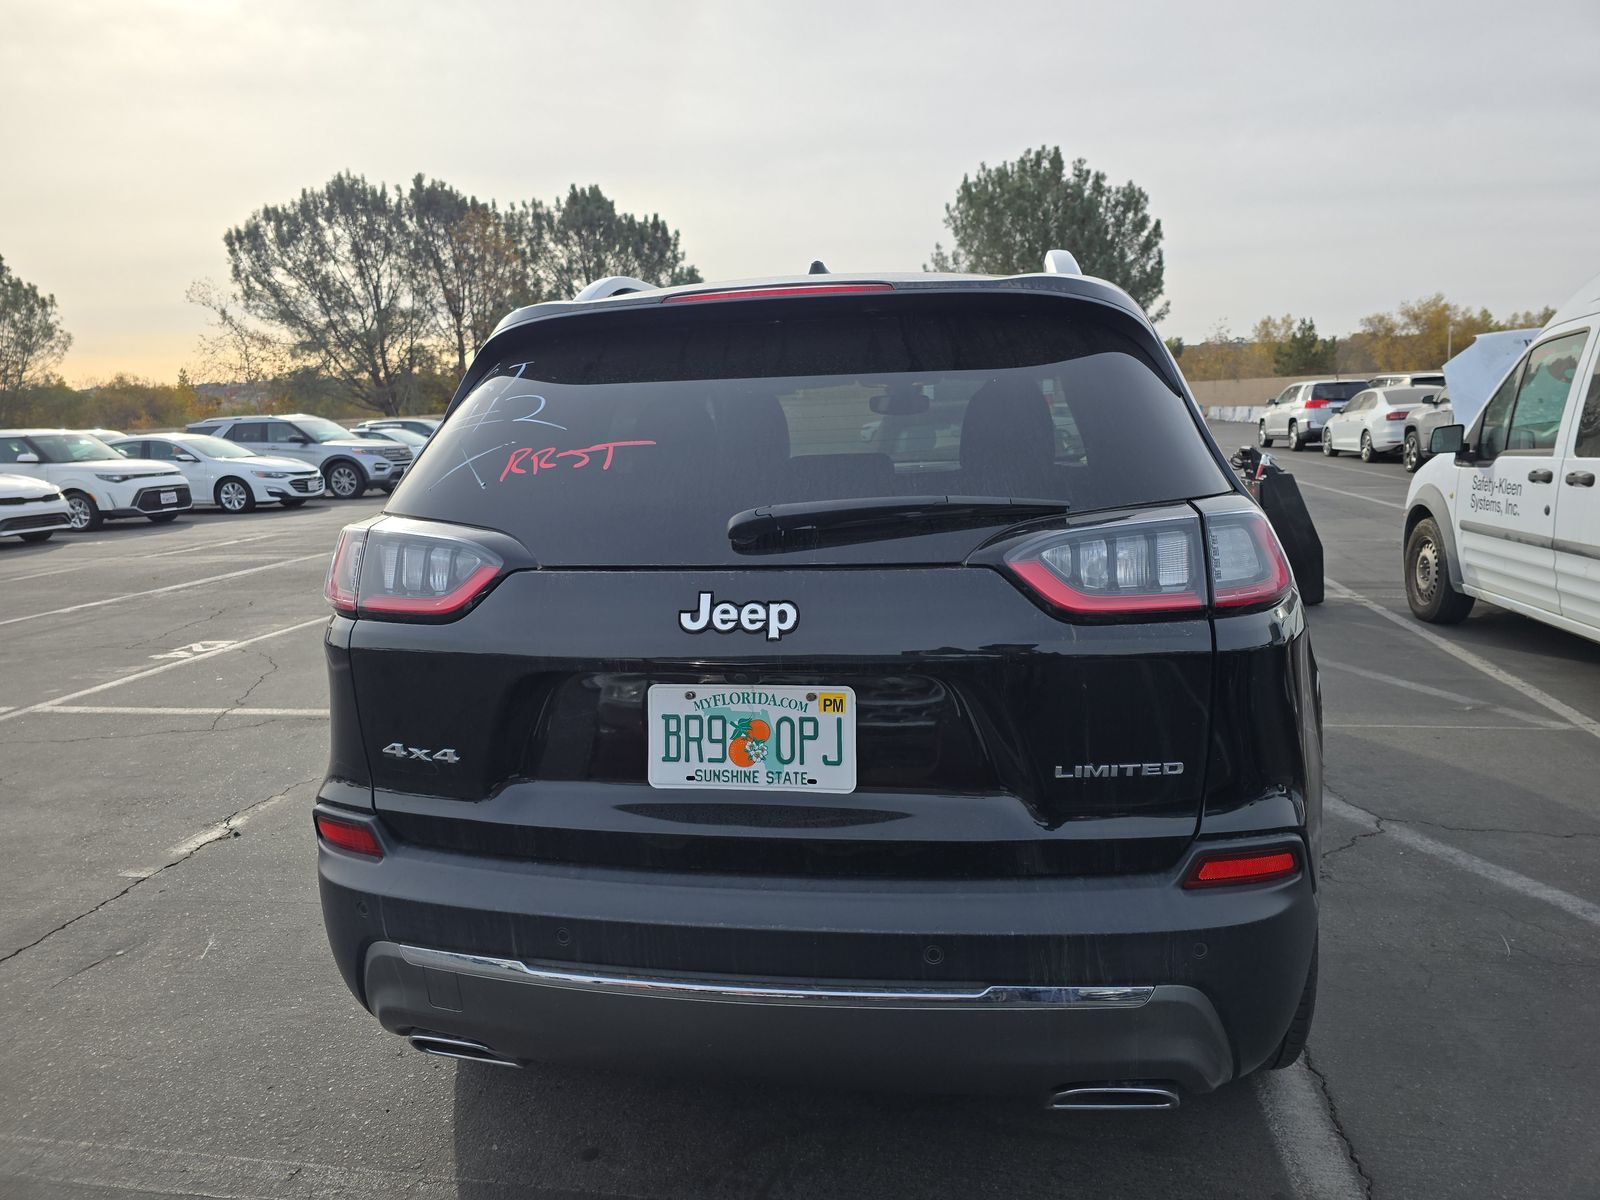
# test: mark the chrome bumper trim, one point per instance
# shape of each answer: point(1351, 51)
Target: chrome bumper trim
point(742, 992)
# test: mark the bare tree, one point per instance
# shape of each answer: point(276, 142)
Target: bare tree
point(236, 350)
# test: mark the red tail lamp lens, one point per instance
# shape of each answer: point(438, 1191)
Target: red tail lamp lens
point(1221, 870)
point(344, 571)
point(1318, 403)
point(348, 835)
point(1248, 566)
point(775, 293)
point(403, 569)
point(1398, 414)
point(1140, 566)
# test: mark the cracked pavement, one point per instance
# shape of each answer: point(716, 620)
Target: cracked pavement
point(175, 1025)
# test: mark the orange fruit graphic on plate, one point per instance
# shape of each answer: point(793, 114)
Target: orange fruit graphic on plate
point(749, 745)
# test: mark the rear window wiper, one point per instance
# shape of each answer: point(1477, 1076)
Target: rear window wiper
point(809, 524)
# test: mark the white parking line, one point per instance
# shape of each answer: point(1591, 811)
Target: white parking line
point(1309, 1147)
point(207, 547)
point(1514, 881)
point(1538, 695)
point(1423, 689)
point(171, 587)
point(1540, 728)
point(147, 672)
point(40, 574)
point(1322, 487)
point(130, 710)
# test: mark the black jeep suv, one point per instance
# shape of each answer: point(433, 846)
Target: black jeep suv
point(872, 681)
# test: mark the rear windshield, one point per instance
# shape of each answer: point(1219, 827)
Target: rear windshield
point(631, 438)
point(1336, 391)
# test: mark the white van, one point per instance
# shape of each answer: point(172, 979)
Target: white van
point(1508, 509)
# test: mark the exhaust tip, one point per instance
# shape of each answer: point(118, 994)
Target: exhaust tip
point(1115, 1098)
point(449, 1047)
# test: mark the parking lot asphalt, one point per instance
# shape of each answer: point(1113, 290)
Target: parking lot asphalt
point(174, 1025)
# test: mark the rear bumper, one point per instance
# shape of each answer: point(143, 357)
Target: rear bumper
point(933, 986)
point(993, 1040)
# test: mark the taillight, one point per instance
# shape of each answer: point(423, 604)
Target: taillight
point(1398, 414)
point(773, 293)
point(1247, 564)
point(1316, 403)
point(1138, 565)
point(402, 569)
point(348, 835)
point(1256, 866)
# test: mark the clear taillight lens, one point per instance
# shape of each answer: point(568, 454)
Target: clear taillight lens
point(1247, 563)
point(403, 568)
point(1152, 565)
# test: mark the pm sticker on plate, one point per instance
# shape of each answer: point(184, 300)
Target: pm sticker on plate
point(763, 738)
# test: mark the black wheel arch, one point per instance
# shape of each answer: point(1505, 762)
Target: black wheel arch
point(1427, 503)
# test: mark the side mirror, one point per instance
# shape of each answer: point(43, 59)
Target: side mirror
point(1448, 439)
point(180, 456)
point(300, 439)
point(28, 457)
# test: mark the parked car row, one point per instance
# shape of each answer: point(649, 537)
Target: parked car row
point(54, 479)
point(1388, 414)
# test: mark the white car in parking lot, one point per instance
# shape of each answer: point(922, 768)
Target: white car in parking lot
point(226, 474)
point(31, 509)
point(1508, 509)
point(349, 464)
point(1374, 422)
point(1300, 411)
point(99, 484)
point(426, 426)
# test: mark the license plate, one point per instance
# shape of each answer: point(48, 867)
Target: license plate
point(169, 497)
point(766, 738)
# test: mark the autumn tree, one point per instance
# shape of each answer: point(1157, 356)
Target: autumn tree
point(334, 272)
point(32, 340)
point(1006, 218)
point(582, 237)
point(473, 259)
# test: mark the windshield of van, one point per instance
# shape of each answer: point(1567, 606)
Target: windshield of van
point(633, 438)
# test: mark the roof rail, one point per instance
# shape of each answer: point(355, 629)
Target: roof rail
point(614, 285)
point(1061, 262)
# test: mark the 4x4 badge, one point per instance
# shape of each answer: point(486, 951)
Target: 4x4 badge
point(777, 617)
point(400, 750)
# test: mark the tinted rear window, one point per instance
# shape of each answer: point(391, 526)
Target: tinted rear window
point(1336, 391)
point(630, 438)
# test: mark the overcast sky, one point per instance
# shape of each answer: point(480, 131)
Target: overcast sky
point(1328, 160)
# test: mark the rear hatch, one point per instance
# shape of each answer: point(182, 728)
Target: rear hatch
point(1333, 396)
point(877, 585)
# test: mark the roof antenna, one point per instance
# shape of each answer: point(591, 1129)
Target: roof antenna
point(817, 267)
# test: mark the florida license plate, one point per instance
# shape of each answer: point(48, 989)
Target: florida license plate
point(169, 497)
point(762, 738)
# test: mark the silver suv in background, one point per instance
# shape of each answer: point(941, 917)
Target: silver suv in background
point(349, 464)
point(1299, 412)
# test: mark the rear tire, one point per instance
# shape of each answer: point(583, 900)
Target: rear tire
point(42, 536)
point(1429, 591)
point(1294, 1041)
point(1327, 445)
point(1412, 455)
point(234, 496)
point(1368, 454)
point(1261, 434)
point(86, 516)
point(1296, 442)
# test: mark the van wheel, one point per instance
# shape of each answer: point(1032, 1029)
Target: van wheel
point(345, 480)
point(1294, 1041)
point(1428, 588)
point(86, 516)
point(1296, 442)
point(1412, 457)
point(235, 496)
point(1261, 434)
point(1367, 452)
